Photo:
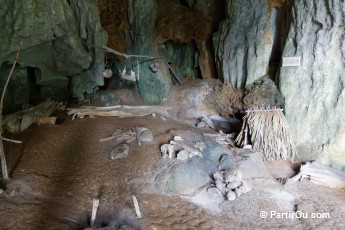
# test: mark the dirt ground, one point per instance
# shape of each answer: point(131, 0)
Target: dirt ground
point(59, 169)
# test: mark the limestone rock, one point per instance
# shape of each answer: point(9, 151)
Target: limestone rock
point(154, 86)
point(190, 100)
point(18, 89)
point(244, 41)
point(314, 92)
point(227, 162)
point(185, 177)
point(182, 57)
point(53, 36)
point(263, 93)
point(252, 166)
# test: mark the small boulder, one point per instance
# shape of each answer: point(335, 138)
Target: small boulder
point(120, 151)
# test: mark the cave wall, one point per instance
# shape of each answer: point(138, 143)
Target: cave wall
point(189, 26)
point(254, 38)
point(154, 87)
point(244, 41)
point(314, 92)
point(54, 36)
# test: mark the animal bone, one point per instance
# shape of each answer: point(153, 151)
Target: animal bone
point(167, 150)
point(187, 147)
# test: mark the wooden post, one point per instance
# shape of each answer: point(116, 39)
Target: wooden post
point(2, 152)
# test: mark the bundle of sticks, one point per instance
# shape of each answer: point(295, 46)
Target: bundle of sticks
point(268, 130)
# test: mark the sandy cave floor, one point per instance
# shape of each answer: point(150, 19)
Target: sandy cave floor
point(59, 169)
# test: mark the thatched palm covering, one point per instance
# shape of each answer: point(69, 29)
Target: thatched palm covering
point(269, 132)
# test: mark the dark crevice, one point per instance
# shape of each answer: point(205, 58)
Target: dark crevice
point(184, 3)
point(34, 88)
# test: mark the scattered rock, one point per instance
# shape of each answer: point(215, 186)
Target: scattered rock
point(120, 151)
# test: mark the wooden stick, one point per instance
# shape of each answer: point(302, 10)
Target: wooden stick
point(171, 69)
point(11, 140)
point(2, 152)
point(110, 50)
point(136, 207)
point(95, 205)
point(127, 55)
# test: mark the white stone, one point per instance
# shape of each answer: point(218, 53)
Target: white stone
point(229, 176)
point(221, 186)
point(238, 175)
point(214, 191)
point(218, 176)
point(234, 185)
point(230, 195)
point(238, 192)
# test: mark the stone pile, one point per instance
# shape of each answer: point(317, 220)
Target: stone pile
point(228, 184)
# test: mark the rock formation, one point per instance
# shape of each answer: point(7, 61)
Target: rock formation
point(154, 86)
point(314, 92)
point(56, 37)
point(244, 42)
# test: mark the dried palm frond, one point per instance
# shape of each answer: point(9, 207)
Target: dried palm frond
point(269, 132)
